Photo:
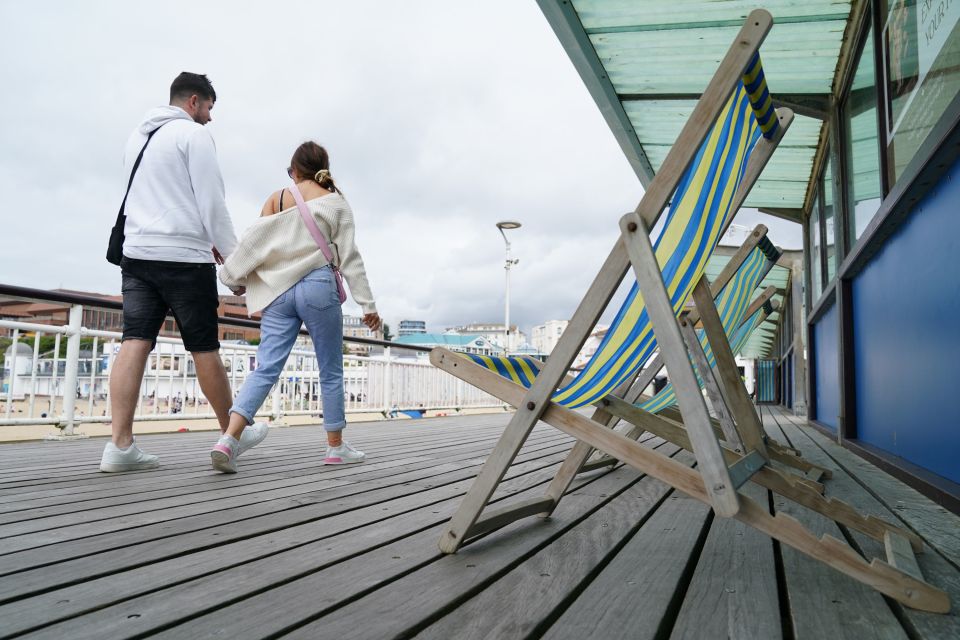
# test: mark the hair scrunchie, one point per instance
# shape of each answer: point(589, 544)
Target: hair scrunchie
point(321, 175)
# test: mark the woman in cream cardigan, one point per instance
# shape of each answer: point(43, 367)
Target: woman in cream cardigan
point(287, 276)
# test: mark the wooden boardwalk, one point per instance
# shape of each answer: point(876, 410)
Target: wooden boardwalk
point(289, 548)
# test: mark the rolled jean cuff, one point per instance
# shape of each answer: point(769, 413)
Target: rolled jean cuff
point(335, 426)
point(240, 412)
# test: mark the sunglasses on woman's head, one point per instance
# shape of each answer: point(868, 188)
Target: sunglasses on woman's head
point(290, 172)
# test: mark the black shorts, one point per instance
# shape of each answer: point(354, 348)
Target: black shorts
point(152, 288)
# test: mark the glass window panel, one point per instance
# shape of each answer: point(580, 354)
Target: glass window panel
point(828, 218)
point(863, 144)
point(921, 51)
point(814, 231)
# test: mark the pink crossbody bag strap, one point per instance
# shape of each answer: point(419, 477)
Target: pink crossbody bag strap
point(319, 239)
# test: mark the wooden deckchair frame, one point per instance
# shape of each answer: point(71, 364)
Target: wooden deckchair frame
point(778, 452)
point(712, 482)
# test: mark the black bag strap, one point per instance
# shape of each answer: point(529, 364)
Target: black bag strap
point(133, 172)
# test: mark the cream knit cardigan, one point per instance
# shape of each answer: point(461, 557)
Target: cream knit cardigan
point(278, 250)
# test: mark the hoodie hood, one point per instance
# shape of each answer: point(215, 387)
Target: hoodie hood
point(160, 116)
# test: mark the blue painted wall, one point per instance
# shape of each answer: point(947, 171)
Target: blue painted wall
point(906, 313)
point(826, 339)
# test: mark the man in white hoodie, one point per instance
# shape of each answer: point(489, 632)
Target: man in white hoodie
point(177, 227)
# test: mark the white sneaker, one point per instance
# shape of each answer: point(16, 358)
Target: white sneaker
point(252, 436)
point(223, 456)
point(115, 459)
point(344, 454)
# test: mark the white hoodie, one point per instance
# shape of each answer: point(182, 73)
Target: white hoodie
point(176, 209)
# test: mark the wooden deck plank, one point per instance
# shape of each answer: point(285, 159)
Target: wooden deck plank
point(86, 456)
point(264, 459)
point(308, 550)
point(72, 526)
point(733, 593)
point(530, 595)
point(287, 528)
point(636, 589)
point(263, 560)
point(824, 602)
point(938, 526)
point(413, 600)
point(322, 576)
point(936, 568)
point(197, 530)
point(206, 479)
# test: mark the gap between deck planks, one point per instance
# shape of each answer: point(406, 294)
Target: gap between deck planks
point(288, 530)
point(215, 592)
point(391, 480)
point(865, 492)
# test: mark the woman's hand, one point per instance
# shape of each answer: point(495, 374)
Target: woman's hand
point(372, 320)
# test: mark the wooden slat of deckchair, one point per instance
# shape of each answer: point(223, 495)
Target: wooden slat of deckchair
point(655, 199)
point(635, 395)
point(727, 426)
point(722, 494)
point(575, 462)
point(878, 574)
point(734, 394)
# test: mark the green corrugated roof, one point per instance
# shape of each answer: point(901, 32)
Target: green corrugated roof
point(438, 338)
point(645, 63)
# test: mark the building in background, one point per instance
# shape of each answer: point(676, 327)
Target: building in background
point(590, 346)
point(411, 327)
point(111, 319)
point(544, 337)
point(353, 327)
point(454, 341)
point(493, 332)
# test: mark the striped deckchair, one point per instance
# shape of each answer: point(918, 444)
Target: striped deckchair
point(667, 397)
point(716, 159)
point(732, 304)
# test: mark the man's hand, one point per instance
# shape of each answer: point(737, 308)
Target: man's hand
point(239, 291)
point(372, 320)
point(218, 258)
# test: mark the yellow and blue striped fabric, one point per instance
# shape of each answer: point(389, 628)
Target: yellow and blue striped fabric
point(667, 397)
point(521, 370)
point(755, 84)
point(701, 208)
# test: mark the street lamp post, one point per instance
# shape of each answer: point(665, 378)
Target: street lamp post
point(505, 225)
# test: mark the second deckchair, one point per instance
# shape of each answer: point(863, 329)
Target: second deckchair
point(710, 168)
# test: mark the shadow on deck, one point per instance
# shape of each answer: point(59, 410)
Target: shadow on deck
point(294, 549)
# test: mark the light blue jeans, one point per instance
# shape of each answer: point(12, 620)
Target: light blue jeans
point(312, 301)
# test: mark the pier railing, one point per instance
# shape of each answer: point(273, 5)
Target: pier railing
point(41, 386)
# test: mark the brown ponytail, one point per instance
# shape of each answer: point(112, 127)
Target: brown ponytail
point(312, 161)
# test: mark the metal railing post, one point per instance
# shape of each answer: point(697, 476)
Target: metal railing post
point(67, 418)
point(276, 415)
point(387, 382)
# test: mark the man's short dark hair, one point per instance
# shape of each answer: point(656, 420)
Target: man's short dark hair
point(187, 84)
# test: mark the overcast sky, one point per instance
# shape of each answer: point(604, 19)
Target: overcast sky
point(440, 117)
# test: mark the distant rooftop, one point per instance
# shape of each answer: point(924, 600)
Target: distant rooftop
point(447, 339)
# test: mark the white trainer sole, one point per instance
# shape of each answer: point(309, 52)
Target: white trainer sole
point(221, 462)
point(118, 467)
point(335, 461)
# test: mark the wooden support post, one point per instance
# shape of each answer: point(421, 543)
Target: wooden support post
point(723, 496)
point(744, 414)
point(900, 554)
point(729, 429)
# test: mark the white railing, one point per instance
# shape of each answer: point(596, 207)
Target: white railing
point(45, 388)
